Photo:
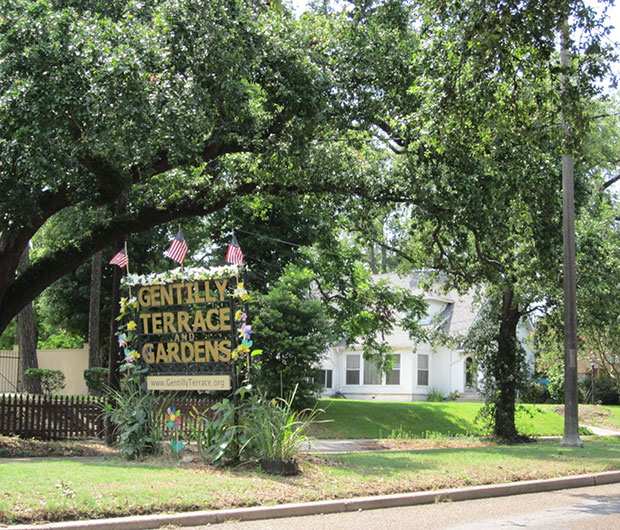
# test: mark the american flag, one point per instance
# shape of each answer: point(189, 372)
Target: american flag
point(234, 254)
point(120, 259)
point(178, 248)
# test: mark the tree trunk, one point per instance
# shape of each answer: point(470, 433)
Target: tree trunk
point(27, 332)
point(506, 370)
point(94, 312)
point(384, 260)
point(372, 260)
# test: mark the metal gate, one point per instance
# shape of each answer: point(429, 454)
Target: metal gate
point(9, 365)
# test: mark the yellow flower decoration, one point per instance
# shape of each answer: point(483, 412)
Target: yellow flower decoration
point(131, 325)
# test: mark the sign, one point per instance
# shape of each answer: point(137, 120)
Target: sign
point(188, 382)
point(186, 323)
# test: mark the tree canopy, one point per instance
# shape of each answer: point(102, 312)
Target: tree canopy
point(448, 112)
point(181, 107)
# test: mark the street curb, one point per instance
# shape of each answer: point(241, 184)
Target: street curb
point(147, 522)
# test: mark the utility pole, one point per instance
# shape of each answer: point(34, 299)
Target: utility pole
point(571, 407)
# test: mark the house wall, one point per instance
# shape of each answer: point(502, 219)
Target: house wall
point(451, 312)
point(446, 373)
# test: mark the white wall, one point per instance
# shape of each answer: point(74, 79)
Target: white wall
point(72, 363)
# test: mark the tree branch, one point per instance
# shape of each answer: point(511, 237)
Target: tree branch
point(609, 183)
point(489, 261)
point(457, 271)
point(51, 267)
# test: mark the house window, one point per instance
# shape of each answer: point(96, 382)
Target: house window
point(393, 378)
point(372, 376)
point(353, 370)
point(422, 369)
point(325, 378)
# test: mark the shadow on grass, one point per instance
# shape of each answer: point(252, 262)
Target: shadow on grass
point(605, 453)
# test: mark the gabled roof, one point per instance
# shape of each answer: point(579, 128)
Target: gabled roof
point(460, 310)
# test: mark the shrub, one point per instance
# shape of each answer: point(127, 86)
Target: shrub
point(95, 379)
point(535, 392)
point(293, 332)
point(434, 394)
point(50, 380)
point(556, 385)
point(606, 391)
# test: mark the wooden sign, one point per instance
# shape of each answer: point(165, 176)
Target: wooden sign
point(188, 382)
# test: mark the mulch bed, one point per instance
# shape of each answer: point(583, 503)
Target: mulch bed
point(14, 447)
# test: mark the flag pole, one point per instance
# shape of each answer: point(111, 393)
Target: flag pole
point(182, 265)
point(127, 267)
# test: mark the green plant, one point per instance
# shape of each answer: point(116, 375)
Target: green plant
point(606, 391)
point(218, 438)
point(556, 385)
point(136, 415)
point(294, 332)
point(453, 396)
point(275, 431)
point(51, 380)
point(535, 392)
point(95, 379)
point(434, 394)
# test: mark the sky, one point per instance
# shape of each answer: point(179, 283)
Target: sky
point(613, 17)
point(613, 14)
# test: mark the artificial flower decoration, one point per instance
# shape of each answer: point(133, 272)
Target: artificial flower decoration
point(131, 325)
point(241, 292)
point(127, 305)
point(173, 418)
point(246, 330)
point(177, 445)
point(122, 340)
point(131, 355)
point(180, 274)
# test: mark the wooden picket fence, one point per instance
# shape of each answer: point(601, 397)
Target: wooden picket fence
point(51, 417)
point(68, 417)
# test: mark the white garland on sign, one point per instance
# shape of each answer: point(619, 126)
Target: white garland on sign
point(179, 274)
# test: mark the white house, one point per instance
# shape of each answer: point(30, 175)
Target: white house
point(418, 367)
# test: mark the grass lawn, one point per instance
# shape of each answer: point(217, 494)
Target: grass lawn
point(607, 416)
point(54, 490)
point(614, 417)
point(379, 419)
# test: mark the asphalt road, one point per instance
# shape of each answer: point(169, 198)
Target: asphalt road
point(595, 507)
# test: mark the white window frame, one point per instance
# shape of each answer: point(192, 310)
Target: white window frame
point(353, 369)
point(422, 370)
point(395, 370)
point(371, 371)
